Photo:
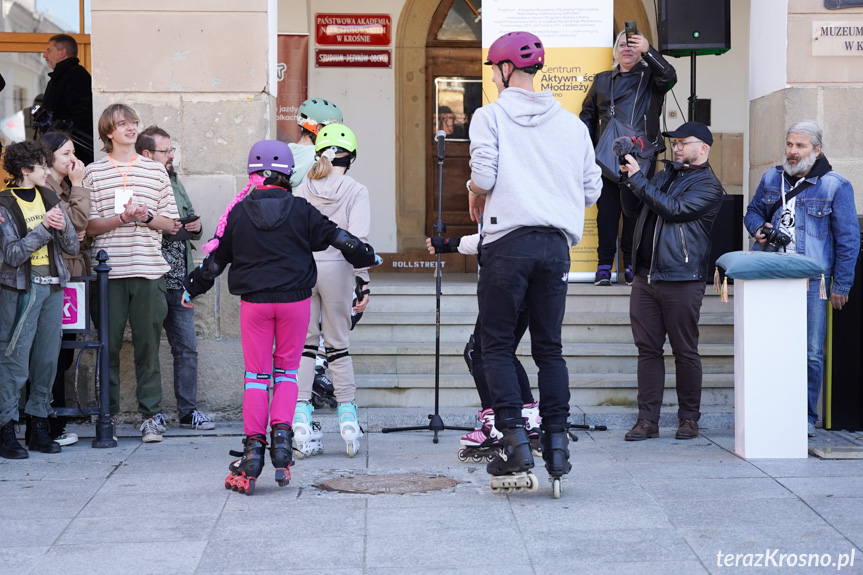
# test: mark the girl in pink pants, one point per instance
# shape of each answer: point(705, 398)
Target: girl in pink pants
point(268, 242)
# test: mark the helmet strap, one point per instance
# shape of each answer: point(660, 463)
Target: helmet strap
point(505, 79)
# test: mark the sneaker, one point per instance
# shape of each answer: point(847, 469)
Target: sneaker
point(810, 430)
point(628, 275)
point(603, 276)
point(150, 430)
point(161, 424)
point(197, 420)
point(66, 438)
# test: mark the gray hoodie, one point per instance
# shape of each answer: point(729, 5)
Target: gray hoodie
point(538, 161)
point(346, 202)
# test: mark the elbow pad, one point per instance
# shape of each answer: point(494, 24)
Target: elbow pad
point(357, 253)
point(202, 278)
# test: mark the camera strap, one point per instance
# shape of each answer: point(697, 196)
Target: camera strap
point(801, 185)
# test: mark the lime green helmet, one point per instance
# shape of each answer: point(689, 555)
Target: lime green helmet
point(336, 136)
point(316, 113)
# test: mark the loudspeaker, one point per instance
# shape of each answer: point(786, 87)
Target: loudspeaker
point(687, 26)
point(727, 232)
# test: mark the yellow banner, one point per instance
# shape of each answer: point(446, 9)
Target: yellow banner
point(568, 73)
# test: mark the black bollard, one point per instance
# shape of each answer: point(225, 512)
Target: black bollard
point(105, 424)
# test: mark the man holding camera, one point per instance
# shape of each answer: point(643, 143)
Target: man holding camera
point(670, 254)
point(820, 223)
point(155, 143)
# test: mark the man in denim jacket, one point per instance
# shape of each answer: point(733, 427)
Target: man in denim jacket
point(814, 206)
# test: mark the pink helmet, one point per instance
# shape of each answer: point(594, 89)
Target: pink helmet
point(523, 49)
point(272, 155)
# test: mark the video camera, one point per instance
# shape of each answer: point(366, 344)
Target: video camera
point(777, 240)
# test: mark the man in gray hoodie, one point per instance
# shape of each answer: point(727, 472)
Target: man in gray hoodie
point(532, 176)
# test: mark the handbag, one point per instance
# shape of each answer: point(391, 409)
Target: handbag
point(643, 152)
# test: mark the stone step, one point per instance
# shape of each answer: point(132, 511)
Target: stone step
point(387, 390)
point(419, 358)
point(587, 327)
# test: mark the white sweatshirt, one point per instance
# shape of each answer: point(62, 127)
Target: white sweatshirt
point(537, 159)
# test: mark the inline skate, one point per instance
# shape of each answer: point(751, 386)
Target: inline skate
point(555, 452)
point(307, 432)
point(480, 443)
point(532, 420)
point(323, 392)
point(349, 427)
point(511, 465)
point(245, 471)
point(281, 449)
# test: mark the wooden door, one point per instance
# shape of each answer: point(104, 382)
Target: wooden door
point(453, 93)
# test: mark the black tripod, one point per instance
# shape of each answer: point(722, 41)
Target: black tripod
point(436, 423)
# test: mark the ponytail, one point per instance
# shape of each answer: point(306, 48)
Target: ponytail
point(323, 167)
point(211, 245)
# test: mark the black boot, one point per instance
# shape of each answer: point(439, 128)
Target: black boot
point(514, 455)
point(9, 446)
point(281, 455)
point(40, 440)
point(555, 451)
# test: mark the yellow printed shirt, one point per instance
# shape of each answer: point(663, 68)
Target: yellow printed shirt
point(34, 215)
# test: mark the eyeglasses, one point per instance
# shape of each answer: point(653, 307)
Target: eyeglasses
point(679, 145)
point(166, 152)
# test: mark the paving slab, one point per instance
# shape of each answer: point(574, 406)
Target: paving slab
point(659, 506)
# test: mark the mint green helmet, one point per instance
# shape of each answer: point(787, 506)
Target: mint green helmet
point(316, 113)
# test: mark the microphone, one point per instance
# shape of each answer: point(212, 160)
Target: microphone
point(440, 144)
point(622, 146)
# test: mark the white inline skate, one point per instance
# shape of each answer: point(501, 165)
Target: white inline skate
point(480, 443)
point(307, 433)
point(349, 426)
point(532, 420)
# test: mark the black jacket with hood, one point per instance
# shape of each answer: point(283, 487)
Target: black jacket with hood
point(268, 240)
point(685, 214)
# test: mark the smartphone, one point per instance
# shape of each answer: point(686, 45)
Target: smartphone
point(631, 29)
point(188, 219)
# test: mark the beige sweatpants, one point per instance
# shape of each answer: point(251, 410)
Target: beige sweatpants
point(331, 304)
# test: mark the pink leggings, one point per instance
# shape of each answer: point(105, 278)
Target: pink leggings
point(260, 325)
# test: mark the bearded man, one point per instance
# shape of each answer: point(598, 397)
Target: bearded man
point(813, 209)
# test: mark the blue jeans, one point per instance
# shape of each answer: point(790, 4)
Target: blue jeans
point(180, 330)
point(816, 329)
point(526, 272)
point(30, 325)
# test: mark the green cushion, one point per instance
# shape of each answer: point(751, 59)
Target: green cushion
point(768, 265)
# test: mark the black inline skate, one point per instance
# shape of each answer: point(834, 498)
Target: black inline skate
point(555, 452)
point(245, 471)
point(510, 468)
point(281, 452)
point(323, 392)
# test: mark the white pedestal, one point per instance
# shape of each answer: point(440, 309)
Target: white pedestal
point(770, 391)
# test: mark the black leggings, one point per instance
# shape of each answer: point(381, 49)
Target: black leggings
point(473, 355)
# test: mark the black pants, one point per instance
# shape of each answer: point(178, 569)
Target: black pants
point(525, 272)
point(608, 212)
point(657, 309)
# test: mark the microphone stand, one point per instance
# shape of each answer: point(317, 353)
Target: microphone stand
point(436, 423)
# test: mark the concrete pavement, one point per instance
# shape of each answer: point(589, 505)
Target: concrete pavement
point(659, 506)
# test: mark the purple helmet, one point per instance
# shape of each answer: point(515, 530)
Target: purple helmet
point(523, 49)
point(271, 155)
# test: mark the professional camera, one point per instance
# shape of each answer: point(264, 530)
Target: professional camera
point(42, 119)
point(776, 239)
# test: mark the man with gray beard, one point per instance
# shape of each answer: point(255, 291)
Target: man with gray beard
point(812, 209)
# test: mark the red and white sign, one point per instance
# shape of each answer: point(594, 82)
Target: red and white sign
point(353, 29)
point(353, 58)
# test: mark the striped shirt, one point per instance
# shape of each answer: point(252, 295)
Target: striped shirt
point(135, 249)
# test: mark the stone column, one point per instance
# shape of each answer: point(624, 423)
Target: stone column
point(203, 70)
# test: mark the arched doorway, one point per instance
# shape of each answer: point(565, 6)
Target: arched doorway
point(422, 55)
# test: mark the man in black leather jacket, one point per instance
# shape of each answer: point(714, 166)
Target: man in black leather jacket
point(675, 212)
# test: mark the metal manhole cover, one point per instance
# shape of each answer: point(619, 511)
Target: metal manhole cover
point(394, 484)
